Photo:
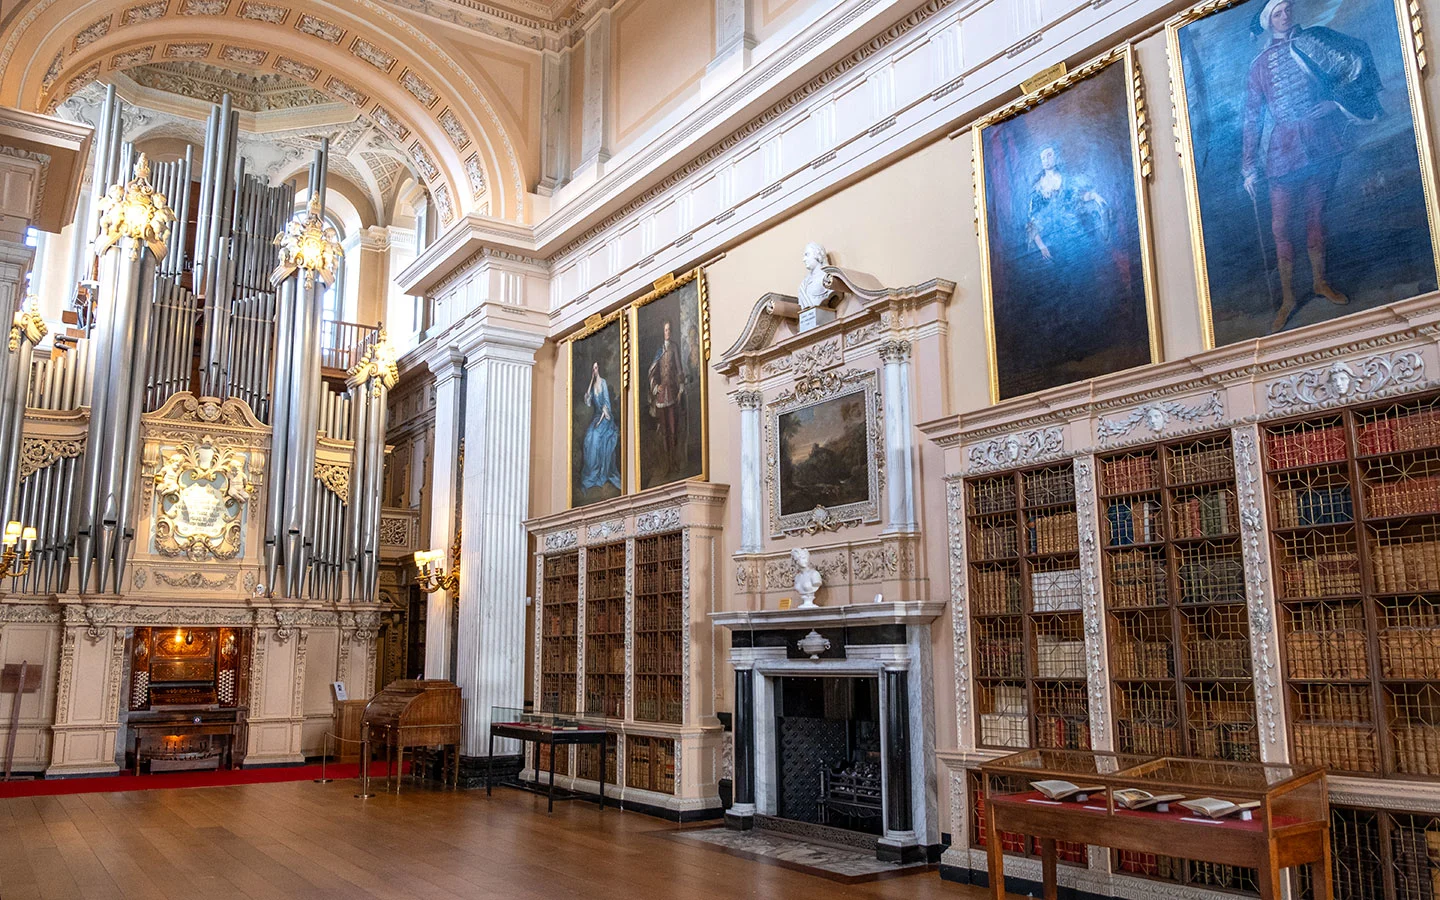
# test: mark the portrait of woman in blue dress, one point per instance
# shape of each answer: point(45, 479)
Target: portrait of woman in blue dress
point(602, 437)
point(596, 416)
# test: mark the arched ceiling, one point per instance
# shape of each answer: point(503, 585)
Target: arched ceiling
point(357, 52)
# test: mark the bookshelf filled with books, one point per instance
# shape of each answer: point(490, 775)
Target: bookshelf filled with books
point(558, 633)
point(1175, 601)
point(1029, 639)
point(1355, 518)
point(605, 631)
point(659, 629)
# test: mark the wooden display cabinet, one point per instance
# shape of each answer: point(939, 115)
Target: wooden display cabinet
point(633, 575)
point(1289, 829)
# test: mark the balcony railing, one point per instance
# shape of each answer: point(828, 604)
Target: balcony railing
point(343, 343)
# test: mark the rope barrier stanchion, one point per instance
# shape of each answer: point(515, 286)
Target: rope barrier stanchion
point(326, 756)
point(365, 793)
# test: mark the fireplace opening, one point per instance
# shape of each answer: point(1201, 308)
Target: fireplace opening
point(828, 752)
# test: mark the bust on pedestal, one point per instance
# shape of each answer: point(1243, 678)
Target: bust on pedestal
point(815, 294)
point(807, 577)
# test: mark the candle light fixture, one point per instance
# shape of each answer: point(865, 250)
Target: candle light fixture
point(433, 576)
point(18, 546)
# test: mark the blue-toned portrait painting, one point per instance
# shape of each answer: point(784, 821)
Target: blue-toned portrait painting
point(596, 411)
point(1062, 222)
point(1305, 166)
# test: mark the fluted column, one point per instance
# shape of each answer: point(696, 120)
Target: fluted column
point(490, 645)
point(752, 476)
point(899, 437)
point(448, 367)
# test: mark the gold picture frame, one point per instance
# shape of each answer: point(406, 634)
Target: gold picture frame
point(1411, 36)
point(593, 326)
point(640, 413)
point(1141, 159)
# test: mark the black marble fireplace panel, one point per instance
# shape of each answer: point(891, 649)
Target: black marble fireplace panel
point(825, 726)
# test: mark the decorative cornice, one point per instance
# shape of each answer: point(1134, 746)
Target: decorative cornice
point(1157, 417)
point(1017, 449)
point(1340, 382)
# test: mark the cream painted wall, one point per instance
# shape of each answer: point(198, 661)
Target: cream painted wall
point(661, 48)
point(907, 223)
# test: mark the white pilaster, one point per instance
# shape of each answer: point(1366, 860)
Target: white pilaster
point(899, 438)
point(554, 120)
point(448, 368)
point(490, 646)
point(734, 39)
point(595, 117)
point(752, 526)
point(1092, 605)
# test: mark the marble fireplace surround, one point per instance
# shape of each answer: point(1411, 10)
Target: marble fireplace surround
point(864, 644)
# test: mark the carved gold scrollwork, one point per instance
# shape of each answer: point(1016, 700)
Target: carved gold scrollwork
point(336, 478)
point(42, 453)
point(201, 491)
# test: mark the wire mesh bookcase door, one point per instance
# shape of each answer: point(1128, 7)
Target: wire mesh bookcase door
point(1355, 510)
point(1177, 621)
point(1028, 642)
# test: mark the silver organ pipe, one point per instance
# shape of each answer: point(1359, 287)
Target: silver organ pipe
point(203, 319)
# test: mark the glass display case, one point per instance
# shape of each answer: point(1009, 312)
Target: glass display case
point(1252, 814)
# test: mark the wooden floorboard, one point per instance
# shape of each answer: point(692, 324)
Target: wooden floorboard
point(305, 840)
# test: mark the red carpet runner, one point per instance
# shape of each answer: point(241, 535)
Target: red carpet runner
point(127, 781)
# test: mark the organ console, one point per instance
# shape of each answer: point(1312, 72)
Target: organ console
point(187, 690)
point(413, 712)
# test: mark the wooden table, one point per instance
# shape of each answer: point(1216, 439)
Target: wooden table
point(546, 734)
point(1291, 828)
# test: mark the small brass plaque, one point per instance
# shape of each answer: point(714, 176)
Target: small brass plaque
point(1043, 77)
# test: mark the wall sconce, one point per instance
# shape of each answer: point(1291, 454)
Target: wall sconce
point(15, 558)
point(432, 576)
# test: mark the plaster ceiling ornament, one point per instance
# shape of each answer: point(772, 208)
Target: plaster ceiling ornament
point(201, 491)
point(1012, 449)
point(189, 50)
point(419, 88)
point(53, 72)
point(92, 33)
point(132, 58)
point(1341, 382)
point(136, 212)
point(475, 173)
point(454, 130)
point(145, 12)
point(424, 162)
point(263, 12)
point(388, 121)
point(441, 196)
point(308, 245)
point(203, 7)
point(1160, 416)
point(373, 54)
point(346, 91)
point(378, 367)
point(296, 69)
point(28, 324)
point(246, 56)
point(319, 28)
point(209, 83)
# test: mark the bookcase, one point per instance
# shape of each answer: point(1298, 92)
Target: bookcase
point(1178, 626)
point(1029, 637)
point(558, 633)
point(639, 640)
point(605, 632)
point(1355, 518)
point(659, 629)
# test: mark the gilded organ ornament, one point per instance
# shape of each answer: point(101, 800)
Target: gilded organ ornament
point(201, 491)
point(136, 211)
point(308, 244)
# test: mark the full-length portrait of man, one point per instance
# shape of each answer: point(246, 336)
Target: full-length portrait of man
point(667, 397)
point(1307, 90)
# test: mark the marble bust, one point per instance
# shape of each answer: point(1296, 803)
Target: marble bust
point(807, 577)
point(815, 295)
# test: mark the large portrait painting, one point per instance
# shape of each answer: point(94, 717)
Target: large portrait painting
point(670, 347)
point(596, 410)
point(825, 454)
point(1307, 166)
point(1064, 235)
